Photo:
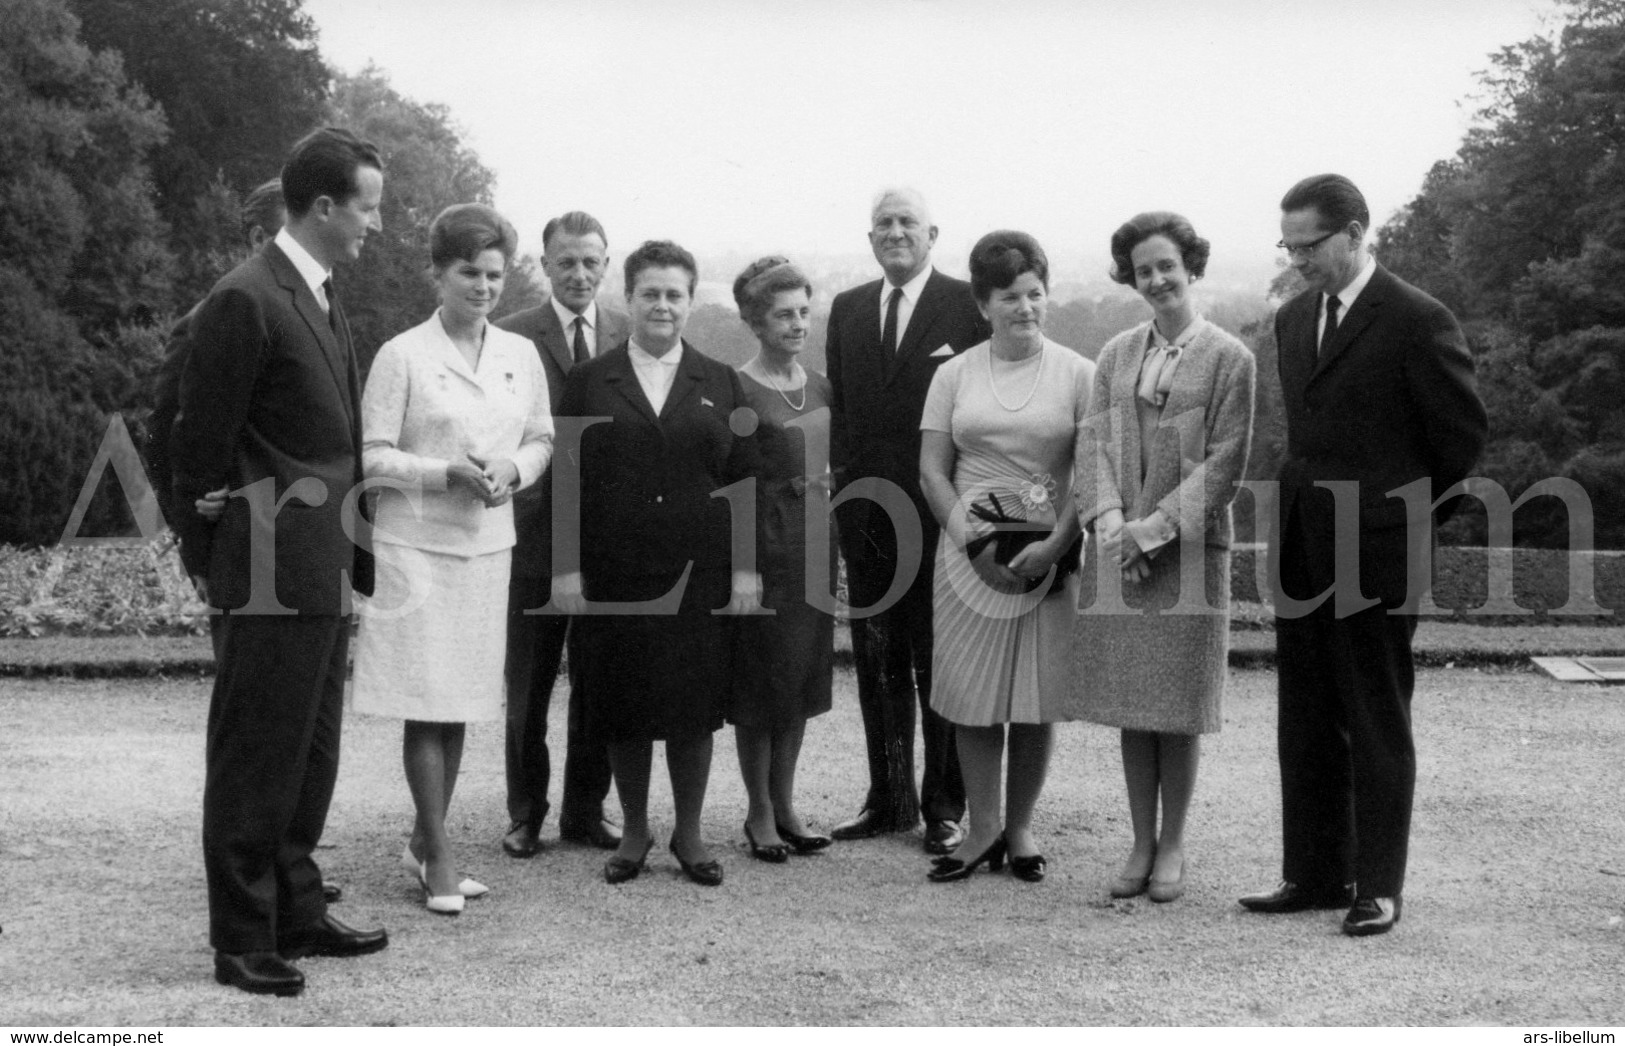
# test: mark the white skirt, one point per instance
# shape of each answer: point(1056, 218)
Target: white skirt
point(433, 636)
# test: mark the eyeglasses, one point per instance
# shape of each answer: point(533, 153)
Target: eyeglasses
point(1303, 250)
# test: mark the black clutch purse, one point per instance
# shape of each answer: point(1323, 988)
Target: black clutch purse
point(1011, 534)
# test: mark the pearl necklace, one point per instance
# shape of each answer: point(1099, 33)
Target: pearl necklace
point(771, 380)
point(993, 383)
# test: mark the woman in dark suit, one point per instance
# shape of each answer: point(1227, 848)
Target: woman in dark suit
point(652, 533)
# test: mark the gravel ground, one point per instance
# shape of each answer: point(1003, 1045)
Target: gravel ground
point(1513, 912)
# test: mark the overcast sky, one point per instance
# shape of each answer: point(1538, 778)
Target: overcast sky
point(764, 125)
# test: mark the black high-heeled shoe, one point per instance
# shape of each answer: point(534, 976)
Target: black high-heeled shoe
point(1029, 868)
point(706, 873)
point(620, 869)
point(951, 869)
point(778, 853)
point(803, 844)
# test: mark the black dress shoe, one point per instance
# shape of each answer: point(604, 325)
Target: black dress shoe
point(1372, 915)
point(803, 844)
point(522, 840)
point(706, 873)
point(952, 869)
point(866, 825)
point(777, 853)
point(1291, 897)
point(1029, 868)
point(332, 894)
point(941, 837)
point(332, 938)
point(599, 833)
point(260, 973)
point(620, 869)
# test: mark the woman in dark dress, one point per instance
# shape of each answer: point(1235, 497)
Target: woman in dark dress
point(652, 533)
point(782, 672)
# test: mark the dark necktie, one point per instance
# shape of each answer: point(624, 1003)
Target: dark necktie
point(1332, 305)
point(580, 347)
point(888, 333)
point(332, 304)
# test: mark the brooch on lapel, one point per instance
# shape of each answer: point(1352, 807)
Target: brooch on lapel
point(507, 376)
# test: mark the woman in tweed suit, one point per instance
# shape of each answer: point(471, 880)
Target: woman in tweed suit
point(1169, 430)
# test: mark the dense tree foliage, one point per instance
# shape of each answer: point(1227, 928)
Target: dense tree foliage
point(239, 81)
point(426, 169)
point(1523, 233)
point(82, 262)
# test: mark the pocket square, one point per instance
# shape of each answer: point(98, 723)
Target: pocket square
point(706, 403)
point(946, 350)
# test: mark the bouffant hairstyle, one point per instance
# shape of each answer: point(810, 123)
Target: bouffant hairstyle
point(1000, 257)
point(660, 254)
point(263, 208)
point(1193, 250)
point(760, 283)
point(463, 230)
point(573, 223)
point(323, 163)
point(1334, 197)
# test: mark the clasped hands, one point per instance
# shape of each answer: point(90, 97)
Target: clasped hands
point(492, 481)
point(1118, 543)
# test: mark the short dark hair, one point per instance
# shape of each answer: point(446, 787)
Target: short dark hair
point(1000, 257)
point(323, 163)
point(1336, 199)
point(762, 280)
point(660, 254)
point(573, 223)
point(263, 207)
point(1193, 249)
point(463, 230)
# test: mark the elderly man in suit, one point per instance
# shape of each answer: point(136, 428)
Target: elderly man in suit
point(270, 408)
point(570, 327)
point(886, 339)
point(1379, 393)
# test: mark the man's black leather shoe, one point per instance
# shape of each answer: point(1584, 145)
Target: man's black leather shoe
point(942, 836)
point(332, 894)
point(866, 825)
point(1372, 915)
point(594, 832)
point(261, 973)
point(522, 840)
point(1291, 897)
point(332, 938)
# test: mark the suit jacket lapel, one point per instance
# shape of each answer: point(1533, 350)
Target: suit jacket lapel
point(1126, 392)
point(339, 357)
point(612, 330)
point(554, 340)
point(913, 340)
point(1359, 317)
point(686, 384)
point(620, 376)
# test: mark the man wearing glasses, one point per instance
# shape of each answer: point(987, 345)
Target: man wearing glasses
point(1379, 393)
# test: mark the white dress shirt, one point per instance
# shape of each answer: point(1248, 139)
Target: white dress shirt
point(309, 268)
point(655, 374)
point(1345, 298)
point(567, 320)
point(905, 308)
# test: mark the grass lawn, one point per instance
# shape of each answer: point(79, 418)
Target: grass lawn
point(1514, 914)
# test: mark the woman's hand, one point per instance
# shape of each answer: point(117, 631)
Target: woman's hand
point(501, 475)
point(468, 479)
point(567, 594)
point(1034, 562)
point(747, 593)
point(996, 575)
point(212, 505)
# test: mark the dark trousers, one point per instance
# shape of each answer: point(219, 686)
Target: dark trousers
point(1348, 761)
point(892, 651)
point(536, 644)
point(271, 757)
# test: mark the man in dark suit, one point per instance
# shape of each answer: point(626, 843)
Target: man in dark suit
point(570, 327)
point(270, 408)
point(1379, 393)
point(886, 340)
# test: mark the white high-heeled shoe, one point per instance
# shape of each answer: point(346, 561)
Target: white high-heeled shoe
point(450, 904)
point(469, 888)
